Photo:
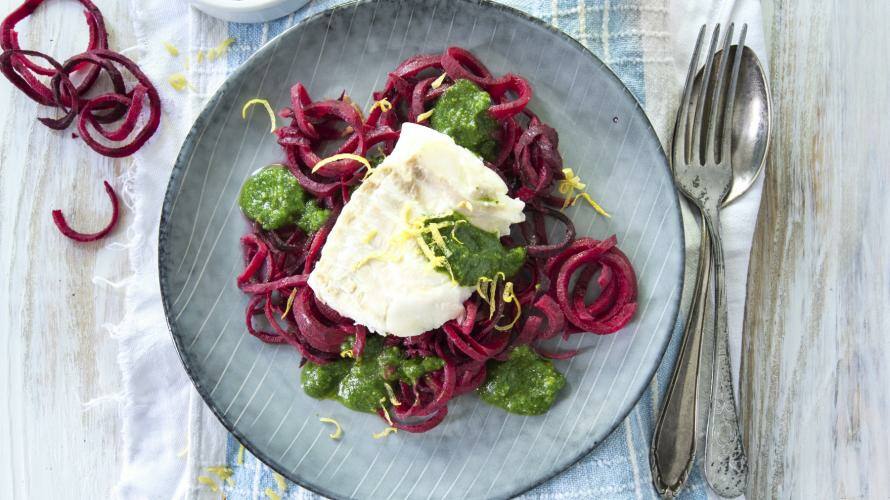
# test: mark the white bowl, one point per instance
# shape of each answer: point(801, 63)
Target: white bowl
point(248, 11)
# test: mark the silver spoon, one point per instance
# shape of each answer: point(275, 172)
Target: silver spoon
point(673, 444)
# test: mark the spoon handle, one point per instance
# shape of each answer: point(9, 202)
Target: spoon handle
point(726, 466)
point(673, 444)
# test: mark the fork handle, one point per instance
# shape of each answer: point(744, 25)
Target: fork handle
point(726, 466)
point(673, 443)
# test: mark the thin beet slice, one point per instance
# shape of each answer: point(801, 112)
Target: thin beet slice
point(29, 70)
point(63, 226)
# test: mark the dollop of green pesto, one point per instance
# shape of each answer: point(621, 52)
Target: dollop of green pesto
point(525, 383)
point(360, 384)
point(462, 113)
point(273, 198)
point(470, 252)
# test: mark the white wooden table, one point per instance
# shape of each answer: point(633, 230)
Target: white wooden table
point(817, 363)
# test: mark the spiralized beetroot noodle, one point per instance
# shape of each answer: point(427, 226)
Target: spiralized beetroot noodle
point(19, 67)
point(63, 226)
point(551, 288)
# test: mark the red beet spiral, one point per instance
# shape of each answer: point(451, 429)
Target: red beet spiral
point(550, 288)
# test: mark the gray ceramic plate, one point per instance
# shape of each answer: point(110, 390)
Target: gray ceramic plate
point(479, 451)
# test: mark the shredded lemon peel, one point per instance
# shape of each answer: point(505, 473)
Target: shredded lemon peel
point(209, 482)
point(220, 49)
point(338, 431)
point(171, 49)
point(240, 459)
point(392, 395)
point(200, 56)
point(383, 104)
point(572, 183)
point(265, 104)
point(223, 473)
point(280, 482)
point(369, 236)
point(385, 432)
point(510, 296)
point(183, 452)
point(342, 156)
point(422, 117)
point(385, 411)
point(290, 303)
point(592, 203)
point(271, 495)
point(179, 82)
point(438, 81)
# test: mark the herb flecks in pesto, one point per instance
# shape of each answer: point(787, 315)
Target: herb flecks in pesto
point(525, 384)
point(360, 384)
point(471, 253)
point(273, 198)
point(462, 113)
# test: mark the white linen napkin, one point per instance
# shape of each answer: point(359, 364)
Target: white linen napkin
point(169, 434)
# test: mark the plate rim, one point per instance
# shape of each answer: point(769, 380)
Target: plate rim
point(188, 145)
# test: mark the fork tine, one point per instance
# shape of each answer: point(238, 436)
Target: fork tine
point(710, 145)
point(681, 139)
point(726, 146)
point(700, 103)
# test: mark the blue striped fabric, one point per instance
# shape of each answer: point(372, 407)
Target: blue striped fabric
point(619, 467)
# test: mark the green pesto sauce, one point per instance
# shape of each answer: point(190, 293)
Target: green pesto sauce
point(462, 113)
point(472, 252)
point(525, 384)
point(360, 384)
point(273, 198)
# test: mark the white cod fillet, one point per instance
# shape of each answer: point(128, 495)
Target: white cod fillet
point(368, 270)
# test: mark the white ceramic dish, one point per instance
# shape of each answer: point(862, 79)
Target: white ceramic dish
point(248, 11)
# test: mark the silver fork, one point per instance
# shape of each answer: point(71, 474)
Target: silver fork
point(704, 175)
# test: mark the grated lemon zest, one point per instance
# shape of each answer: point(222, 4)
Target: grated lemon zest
point(171, 49)
point(179, 82)
point(466, 204)
point(383, 104)
point(487, 289)
point(423, 116)
point(510, 296)
point(454, 228)
point(379, 255)
point(592, 203)
point(200, 56)
point(384, 432)
point(437, 236)
point(240, 459)
point(209, 482)
point(369, 236)
point(280, 482)
point(438, 81)
point(347, 353)
point(572, 183)
point(385, 411)
point(222, 472)
point(338, 432)
point(290, 303)
point(341, 156)
point(183, 452)
point(392, 395)
point(265, 104)
point(220, 49)
point(271, 495)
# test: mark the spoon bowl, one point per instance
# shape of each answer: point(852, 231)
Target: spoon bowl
point(751, 121)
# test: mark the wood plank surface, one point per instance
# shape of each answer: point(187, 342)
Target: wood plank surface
point(54, 354)
point(816, 370)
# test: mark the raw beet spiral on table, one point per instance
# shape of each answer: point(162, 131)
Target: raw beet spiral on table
point(72, 89)
point(550, 288)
